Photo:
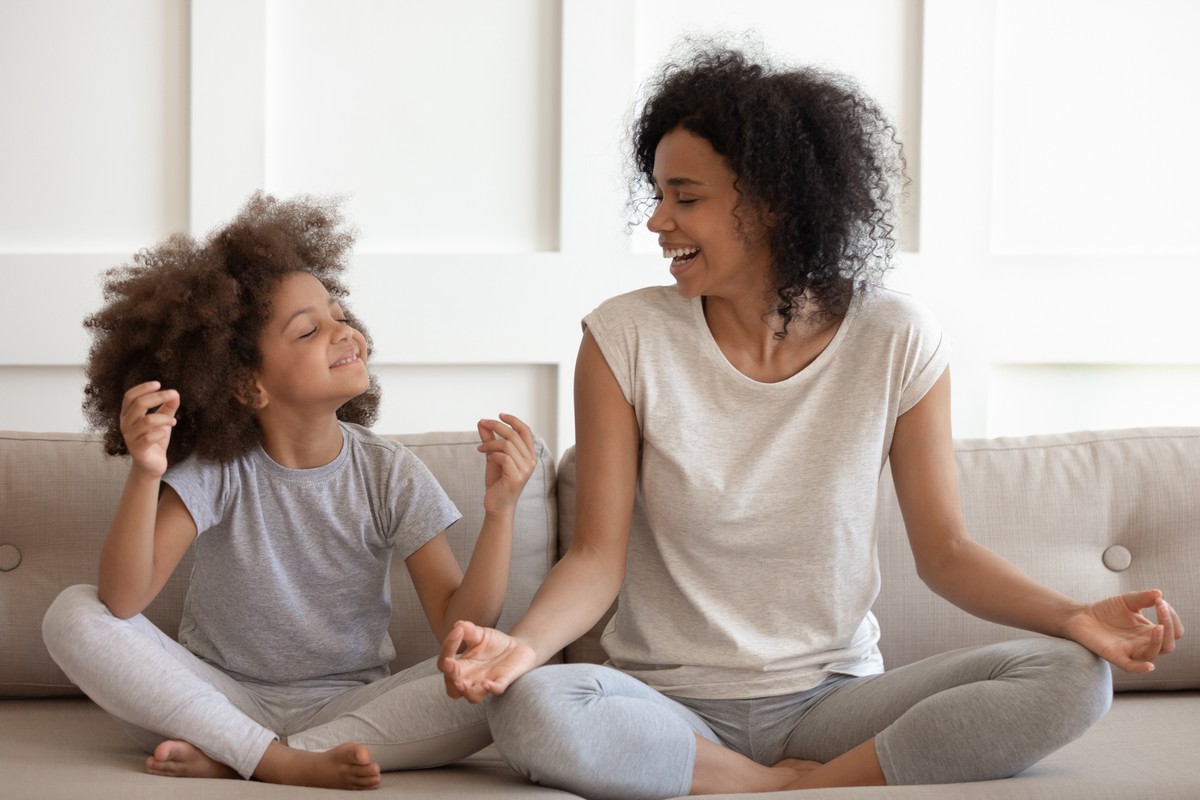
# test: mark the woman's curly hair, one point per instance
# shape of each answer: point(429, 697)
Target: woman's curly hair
point(806, 146)
point(188, 314)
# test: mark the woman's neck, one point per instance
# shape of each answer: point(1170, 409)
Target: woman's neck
point(748, 335)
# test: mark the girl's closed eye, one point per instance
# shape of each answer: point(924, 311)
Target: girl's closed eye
point(310, 333)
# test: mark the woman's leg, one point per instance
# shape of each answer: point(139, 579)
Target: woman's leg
point(152, 685)
point(597, 732)
point(406, 720)
point(975, 714)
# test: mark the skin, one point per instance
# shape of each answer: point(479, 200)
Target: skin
point(700, 209)
point(312, 363)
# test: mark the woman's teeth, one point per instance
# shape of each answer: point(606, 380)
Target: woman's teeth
point(680, 254)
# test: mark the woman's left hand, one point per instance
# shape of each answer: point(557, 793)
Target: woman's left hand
point(1116, 630)
point(511, 458)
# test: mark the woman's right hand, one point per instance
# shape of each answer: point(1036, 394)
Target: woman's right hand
point(491, 661)
point(147, 416)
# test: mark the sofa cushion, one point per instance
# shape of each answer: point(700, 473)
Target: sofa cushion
point(58, 493)
point(1091, 514)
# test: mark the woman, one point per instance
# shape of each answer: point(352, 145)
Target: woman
point(730, 436)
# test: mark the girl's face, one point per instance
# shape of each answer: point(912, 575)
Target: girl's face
point(711, 253)
point(311, 359)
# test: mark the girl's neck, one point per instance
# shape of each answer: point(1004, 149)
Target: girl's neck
point(299, 443)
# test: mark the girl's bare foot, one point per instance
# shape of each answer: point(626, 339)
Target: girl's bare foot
point(178, 759)
point(347, 766)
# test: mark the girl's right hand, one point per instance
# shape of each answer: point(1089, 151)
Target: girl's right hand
point(147, 416)
point(492, 660)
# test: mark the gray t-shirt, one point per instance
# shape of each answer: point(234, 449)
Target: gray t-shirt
point(752, 562)
point(290, 581)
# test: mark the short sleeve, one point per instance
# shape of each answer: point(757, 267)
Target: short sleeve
point(421, 509)
point(203, 486)
point(926, 357)
point(613, 337)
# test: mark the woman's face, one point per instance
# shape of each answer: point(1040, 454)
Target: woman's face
point(716, 248)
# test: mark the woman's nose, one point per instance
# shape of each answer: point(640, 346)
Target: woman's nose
point(659, 220)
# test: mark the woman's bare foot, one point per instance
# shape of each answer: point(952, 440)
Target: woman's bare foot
point(178, 759)
point(798, 768)
point(347, 766)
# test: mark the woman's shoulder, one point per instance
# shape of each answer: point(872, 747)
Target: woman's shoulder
point(649, 303)
point(890, 308)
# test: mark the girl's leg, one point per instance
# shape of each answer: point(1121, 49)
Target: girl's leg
point(152, 685)
point(406, 720)
point(976, 714)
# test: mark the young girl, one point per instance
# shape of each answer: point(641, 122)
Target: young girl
point(730, 435)
point(236, 380)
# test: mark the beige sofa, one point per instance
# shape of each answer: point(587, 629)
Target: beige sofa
point(1090, 513)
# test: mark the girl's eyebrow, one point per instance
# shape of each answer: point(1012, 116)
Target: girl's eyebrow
point(333, 301)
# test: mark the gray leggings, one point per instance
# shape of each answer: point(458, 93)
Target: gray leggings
point(158, 690)
point(974, 714)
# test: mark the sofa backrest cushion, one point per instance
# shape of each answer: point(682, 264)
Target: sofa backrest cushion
point(57, 497)
point(1091, 514)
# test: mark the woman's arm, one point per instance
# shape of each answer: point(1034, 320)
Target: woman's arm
point(148, 535)
point(445, 593)
point(581, 586)
point(983, 583)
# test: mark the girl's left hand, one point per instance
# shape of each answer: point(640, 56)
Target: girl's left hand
point(1116, 630)
point(511, 458)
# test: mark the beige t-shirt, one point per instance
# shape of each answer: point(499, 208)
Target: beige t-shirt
point(752, 561)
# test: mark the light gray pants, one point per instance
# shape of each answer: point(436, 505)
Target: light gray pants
point(975, 714)
point(159, 690)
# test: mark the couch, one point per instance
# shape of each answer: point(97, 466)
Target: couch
point(1092, 513)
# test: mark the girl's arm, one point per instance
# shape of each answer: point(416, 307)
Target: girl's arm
point(581, 586)
point(446, 594)
point(148, 535)
point(983, 583)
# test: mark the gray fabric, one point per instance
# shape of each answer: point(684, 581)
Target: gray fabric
point(746, 487)
point(290, 578)
point(968, 715)
point(159, 690)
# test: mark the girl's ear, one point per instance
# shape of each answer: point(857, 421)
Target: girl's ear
point(250, 392)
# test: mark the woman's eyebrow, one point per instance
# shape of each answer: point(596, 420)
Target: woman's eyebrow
point(681, 181)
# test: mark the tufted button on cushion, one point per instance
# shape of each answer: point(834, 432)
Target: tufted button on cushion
point(10, 558)
point(1117, 558)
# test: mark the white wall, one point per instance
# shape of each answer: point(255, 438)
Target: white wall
point(1051, 223)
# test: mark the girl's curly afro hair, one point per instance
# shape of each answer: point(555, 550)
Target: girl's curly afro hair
point(188, 314)
point(807, 146)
